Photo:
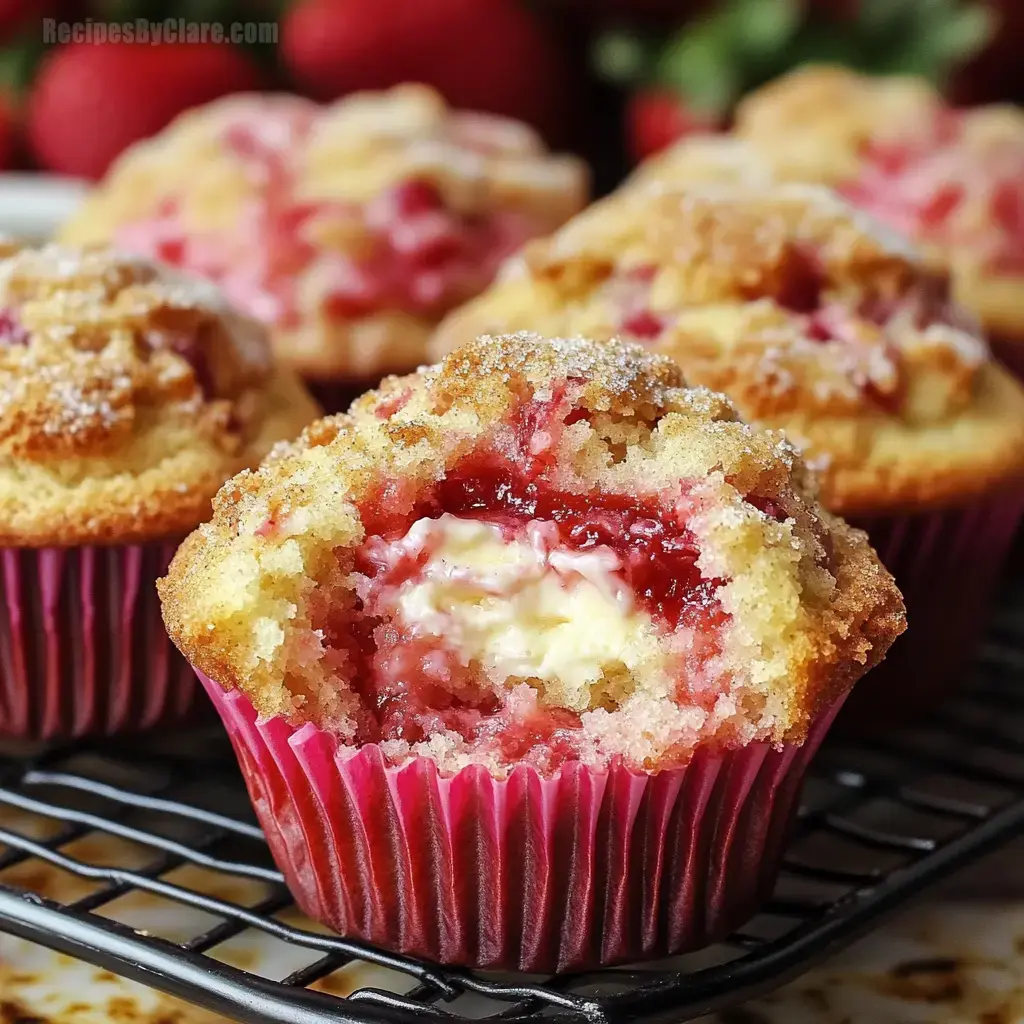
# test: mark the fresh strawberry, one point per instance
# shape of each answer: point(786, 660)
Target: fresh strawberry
point(91, 101)
point(489, 55)
point(655, 118)
point(9, 133)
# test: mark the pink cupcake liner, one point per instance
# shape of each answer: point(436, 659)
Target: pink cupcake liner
point(82, 645)
point(948, 564)
point(582, 869)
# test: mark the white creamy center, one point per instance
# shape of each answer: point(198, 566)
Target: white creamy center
point(529, 609)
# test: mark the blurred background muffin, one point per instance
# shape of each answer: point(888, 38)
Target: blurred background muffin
point(350, 229)
point(128, 395)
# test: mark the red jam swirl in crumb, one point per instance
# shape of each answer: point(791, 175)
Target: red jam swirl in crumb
point(416, 680)
point(11, 330)
point(406, 249)
point(947, 193)
point(863, 335)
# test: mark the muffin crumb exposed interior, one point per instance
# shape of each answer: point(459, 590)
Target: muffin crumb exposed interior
point(534, 552)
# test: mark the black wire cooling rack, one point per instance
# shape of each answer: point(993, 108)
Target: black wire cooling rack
point(84, 831)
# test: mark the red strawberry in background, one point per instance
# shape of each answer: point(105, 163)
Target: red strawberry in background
point(91, 101)
point(10, 133)
point(493, 55)
point(655, 118)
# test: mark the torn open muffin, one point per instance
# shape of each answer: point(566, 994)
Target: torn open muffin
point(534, 636)
point(535, 552)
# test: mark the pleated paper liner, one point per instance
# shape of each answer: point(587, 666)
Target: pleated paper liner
point(582, 869)
point(83, 650)
point(948, 564)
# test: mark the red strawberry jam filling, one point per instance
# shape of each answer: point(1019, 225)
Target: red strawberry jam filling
point(420, 670)
point(630, 292)
point(945, 193)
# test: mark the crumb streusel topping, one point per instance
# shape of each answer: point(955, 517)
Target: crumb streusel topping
point(536, 551)
point(128, 394)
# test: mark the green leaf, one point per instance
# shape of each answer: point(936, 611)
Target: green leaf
point(763, 26)
point(921, 37)
point(701, 65)
point(818, 43)
point(19, 61)
point(965, 33)
point(622, 57)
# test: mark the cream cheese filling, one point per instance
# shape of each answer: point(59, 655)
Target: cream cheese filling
point(530, 609)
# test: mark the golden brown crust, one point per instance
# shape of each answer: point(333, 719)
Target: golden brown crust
point(810, 605)
point(283, 202)
point(128, 394)
point(806, 314)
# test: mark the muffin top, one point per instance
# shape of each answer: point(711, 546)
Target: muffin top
point(349, 228)
point(536, 551)
point(704, 160)
point(128, 394)
point(816, 124)
point(806, 313)
point(952, 180)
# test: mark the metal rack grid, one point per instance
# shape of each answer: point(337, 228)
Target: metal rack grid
point(85, 831)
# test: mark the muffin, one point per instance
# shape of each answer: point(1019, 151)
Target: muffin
point(350, 229)
point(128, 395)
point(950, 180)
point(703, 160)
point(524, 659)
point(814, 320)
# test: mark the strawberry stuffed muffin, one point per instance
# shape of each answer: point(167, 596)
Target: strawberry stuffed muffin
point(524, 659)
point(349, 229)
point(815, 320)
point(128, 395)
point(950, 180)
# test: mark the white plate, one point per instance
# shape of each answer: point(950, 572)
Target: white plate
point(34, 205)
